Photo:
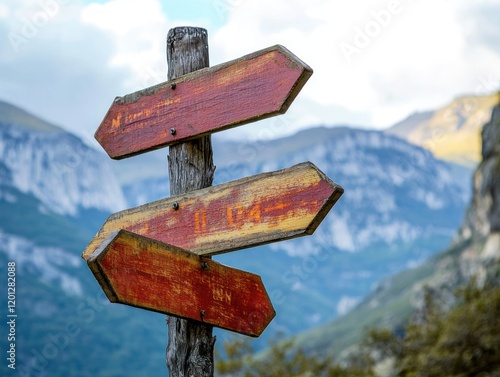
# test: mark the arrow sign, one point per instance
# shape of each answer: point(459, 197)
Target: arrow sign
point(144, 273)
point(254, 87)
point(251, 211)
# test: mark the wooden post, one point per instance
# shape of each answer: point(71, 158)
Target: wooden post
point(190, 165)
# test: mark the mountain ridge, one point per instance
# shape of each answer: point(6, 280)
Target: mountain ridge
point(459, 123)
point(395, 213)
point(57, 167)
point(402, 297)
point(452, 132)
point(14, 115)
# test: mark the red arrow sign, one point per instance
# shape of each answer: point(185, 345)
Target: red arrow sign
point(252, 211)
point(256, 86)
point(144, 273)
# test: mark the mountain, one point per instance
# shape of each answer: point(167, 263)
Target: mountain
point(400, 206)
point(474, 253)
point(55, 193)
point(392, 187)
point(483, 216)
point(54, 166)
point(453, 132)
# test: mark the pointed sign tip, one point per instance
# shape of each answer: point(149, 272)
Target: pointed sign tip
point(148, 274)
point(256, 86)
point(252, 211)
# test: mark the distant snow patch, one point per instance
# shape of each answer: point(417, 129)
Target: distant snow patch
point(48, 262)
point(346, 304)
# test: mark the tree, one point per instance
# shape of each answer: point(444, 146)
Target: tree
point(283, 359)
point(463, 342)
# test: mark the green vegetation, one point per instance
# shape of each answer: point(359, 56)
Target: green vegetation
point(283, 360)
point(390, 304)
point(462, 342)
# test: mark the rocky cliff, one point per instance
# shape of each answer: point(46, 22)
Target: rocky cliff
point(402, 297)
point(482, 222)
point(477, 244)
point(54, 166)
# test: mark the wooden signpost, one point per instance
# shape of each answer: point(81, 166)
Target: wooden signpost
point(248, 212)
point(144, 273)
point(256, 86)
point(157, 256)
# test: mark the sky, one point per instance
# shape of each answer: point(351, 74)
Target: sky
point(375, 62)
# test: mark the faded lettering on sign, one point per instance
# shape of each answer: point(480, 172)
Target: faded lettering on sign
point(234, 217)
point(237, 216)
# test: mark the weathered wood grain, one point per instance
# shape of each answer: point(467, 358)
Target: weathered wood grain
point(256, 86)
point(251, 211)
point(138, 271)
point(190, 348)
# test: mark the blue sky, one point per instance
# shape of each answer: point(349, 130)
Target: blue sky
point(374, 61)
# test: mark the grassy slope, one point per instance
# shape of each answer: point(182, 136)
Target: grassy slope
point(453, 132)
point(390, 305)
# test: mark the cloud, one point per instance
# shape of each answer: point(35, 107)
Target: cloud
point(66, 60)
point(4, 11)
point(53, 64)
point(138, 30)
point(405, 56)
point(71, 57)
point(481, 23)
